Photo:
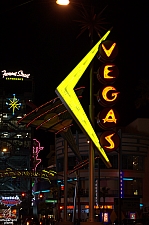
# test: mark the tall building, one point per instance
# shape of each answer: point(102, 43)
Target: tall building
point(16, 95)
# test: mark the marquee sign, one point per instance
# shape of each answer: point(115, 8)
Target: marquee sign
point(10, 201)
point(108, 95)
point(18, 74)
point(25, 173)
point(8, 216)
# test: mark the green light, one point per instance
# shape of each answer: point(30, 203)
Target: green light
point(68, 96)
point(50, 201)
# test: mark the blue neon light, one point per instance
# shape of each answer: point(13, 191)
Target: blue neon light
point(127, 178)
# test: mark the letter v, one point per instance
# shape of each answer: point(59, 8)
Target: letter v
point(110, 50)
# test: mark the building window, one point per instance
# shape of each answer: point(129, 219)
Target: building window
point(133, 187)
point(60, 165)
point(132, 162)
point(137, 163)
point(72, 161)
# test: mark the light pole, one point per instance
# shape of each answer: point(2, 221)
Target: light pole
point(93, 24)
point(65, 178)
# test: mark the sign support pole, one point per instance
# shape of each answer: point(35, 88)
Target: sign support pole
point(119, 170)
point(65, 178)
point(91, 148)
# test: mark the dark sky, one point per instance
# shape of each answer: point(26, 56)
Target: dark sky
point(39, 37)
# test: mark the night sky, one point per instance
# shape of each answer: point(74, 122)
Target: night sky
point(40, 38)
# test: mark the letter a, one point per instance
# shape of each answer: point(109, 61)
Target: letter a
point(110, 117)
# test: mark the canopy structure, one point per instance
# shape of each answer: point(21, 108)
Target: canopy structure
point(52, 116)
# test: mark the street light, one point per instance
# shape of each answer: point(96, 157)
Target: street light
point(62, 2)
point(4, 150)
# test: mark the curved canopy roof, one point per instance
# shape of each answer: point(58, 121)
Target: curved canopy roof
point(52, 116)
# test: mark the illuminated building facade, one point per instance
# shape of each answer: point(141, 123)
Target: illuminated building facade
point(134, 174)
point(16, 94)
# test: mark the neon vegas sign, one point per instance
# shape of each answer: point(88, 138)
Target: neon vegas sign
point(66, 93)
point(20, 73)
point(108, 95)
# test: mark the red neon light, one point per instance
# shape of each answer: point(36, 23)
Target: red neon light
point(68, 207)
point(81, 164)
point(10, 202)
point(50, 119)
point(36, 110)
point(64, 128)
point(62, 188)
point(43, 114)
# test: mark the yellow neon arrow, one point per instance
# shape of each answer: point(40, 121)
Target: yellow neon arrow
point(66, 93)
